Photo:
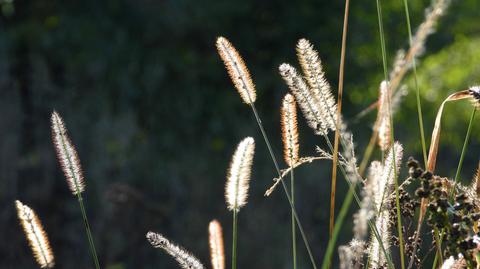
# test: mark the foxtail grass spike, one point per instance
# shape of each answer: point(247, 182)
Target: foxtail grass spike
point(319, 86)
point(70, 163)
point(36, 235)
point(185, 259)
point(309, 104)
point(382, 185)
point(289, 130)
point(67, 155)
point(384, 112)
point(236, 190)
point(215, 239)
point(237, 70)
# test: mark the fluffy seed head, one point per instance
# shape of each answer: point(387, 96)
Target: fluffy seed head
point(289, 130)
point(36, 235)
point(383, 117)
point(308, 102)
point(313, 71)
point(67, 155)
point(215, 239)
point(475, 94)
point(185, 259)
point(236, 190)
point(237, 70)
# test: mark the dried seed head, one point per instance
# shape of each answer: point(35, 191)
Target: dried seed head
point(308, 102)
point(216, 245)
point(36, 235)
point(289, 130)
point(236, 190)
point(67, 155)
point(475, 94)
point(237, 70)
point(313, 71)
point(185, 259)
point(383, 117)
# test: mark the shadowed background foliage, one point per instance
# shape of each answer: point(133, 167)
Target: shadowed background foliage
point(155, 119)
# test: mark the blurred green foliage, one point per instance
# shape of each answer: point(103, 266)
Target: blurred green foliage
point(155, 118)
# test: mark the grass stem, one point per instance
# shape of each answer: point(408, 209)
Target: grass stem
point(397, 198)
point(234, 239)
point(341, 217)
point(277, 168)
point(89, 232)
point(339, 113)
point(464, 150)
point(294, 228)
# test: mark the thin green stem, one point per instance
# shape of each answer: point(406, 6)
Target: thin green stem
point(89, 232)
point(277, 168)
point(417, 89)
point(294, 229)
point(234, 240)
point(80, 200)
point(382, 39)
point(397, 195)
point(438, 241)
point(338, 225)
point(464, 150)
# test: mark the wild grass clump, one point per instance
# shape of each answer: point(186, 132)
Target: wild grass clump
point(392, 212)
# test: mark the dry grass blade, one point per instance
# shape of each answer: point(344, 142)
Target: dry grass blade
point(435, 140)
point(36, 235)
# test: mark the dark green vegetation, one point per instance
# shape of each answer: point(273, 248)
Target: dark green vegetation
point(155, 117)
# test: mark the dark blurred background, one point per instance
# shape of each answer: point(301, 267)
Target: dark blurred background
point(155, 118)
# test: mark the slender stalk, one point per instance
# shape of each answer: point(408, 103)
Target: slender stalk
point(234, 240)
point(339, 113)
point(277, 168)
point(82, 207)
point(419, 105)
point(464, 150)
point(438, 241)
point(368, 152)
point(341, 217)
point(294, 231)
point(397, 198)
point(89, 233)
